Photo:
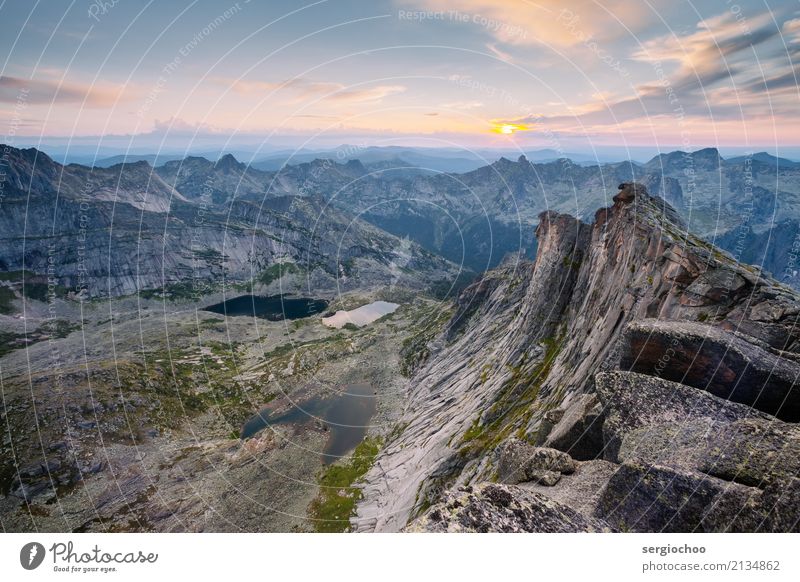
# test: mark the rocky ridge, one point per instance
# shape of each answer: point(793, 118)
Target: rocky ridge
point(639, 350)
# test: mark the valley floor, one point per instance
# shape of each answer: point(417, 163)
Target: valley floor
point(137, 420)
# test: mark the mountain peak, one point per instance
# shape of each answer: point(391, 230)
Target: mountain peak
point(628, 191)
point(355, 166)
point(227, 162)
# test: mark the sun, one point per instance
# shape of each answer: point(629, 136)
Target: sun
point(509, 128)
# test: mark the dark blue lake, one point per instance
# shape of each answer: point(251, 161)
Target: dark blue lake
point(274, 307)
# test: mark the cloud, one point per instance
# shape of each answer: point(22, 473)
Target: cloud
point(303, 89)
point(522, 22)
point(465, 105)
point(365, 95)
point(791, 28)
point(40, 92)
point(714, 76)
point(176, 126)
point(709, 54)
point(502, 55)
point(790, 80)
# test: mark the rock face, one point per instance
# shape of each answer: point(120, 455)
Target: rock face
point(628, 340)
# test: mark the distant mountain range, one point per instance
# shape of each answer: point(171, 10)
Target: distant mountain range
point(141, 218)
point(180, 231)
point(425, 160)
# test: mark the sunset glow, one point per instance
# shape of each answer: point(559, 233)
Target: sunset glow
point(509, 128)
point(341, 73)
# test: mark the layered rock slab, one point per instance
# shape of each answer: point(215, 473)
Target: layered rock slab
point(503, 508)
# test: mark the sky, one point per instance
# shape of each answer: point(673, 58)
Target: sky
point(566, 75)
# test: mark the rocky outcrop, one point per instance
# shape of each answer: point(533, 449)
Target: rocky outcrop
point(632, 403)
point(691, 461)
point(520, 462)
point(503, 508)
point(628, 340)
point(734, 367)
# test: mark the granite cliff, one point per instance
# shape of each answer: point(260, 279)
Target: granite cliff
point(633, 377)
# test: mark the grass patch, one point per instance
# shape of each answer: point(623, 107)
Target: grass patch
point(515, 404)
point(276, 271)
point(6, 298)
point(335, 504)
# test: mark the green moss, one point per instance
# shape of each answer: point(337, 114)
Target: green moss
point(397, 430)
point(485, 373)
point(6, 298)
point(335, 504)
point(299, 324)
point(515, 404)
point(276, 271)
point(570, 263)
point(474, 431)
point(702, 317)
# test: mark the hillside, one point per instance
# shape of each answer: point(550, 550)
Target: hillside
point(187, 229)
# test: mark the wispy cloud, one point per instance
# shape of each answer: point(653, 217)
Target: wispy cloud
point(464, 105)
point(713, 77)
point(542, 22)
point(500, 54)
point(37, 92)
point(302, 89)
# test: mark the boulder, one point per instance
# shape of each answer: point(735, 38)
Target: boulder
point(715, 360)
point(694, 462)
point(653, 498)
point(628, 191)
point(519, 461)
point(633, 401)
point(714, 287)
